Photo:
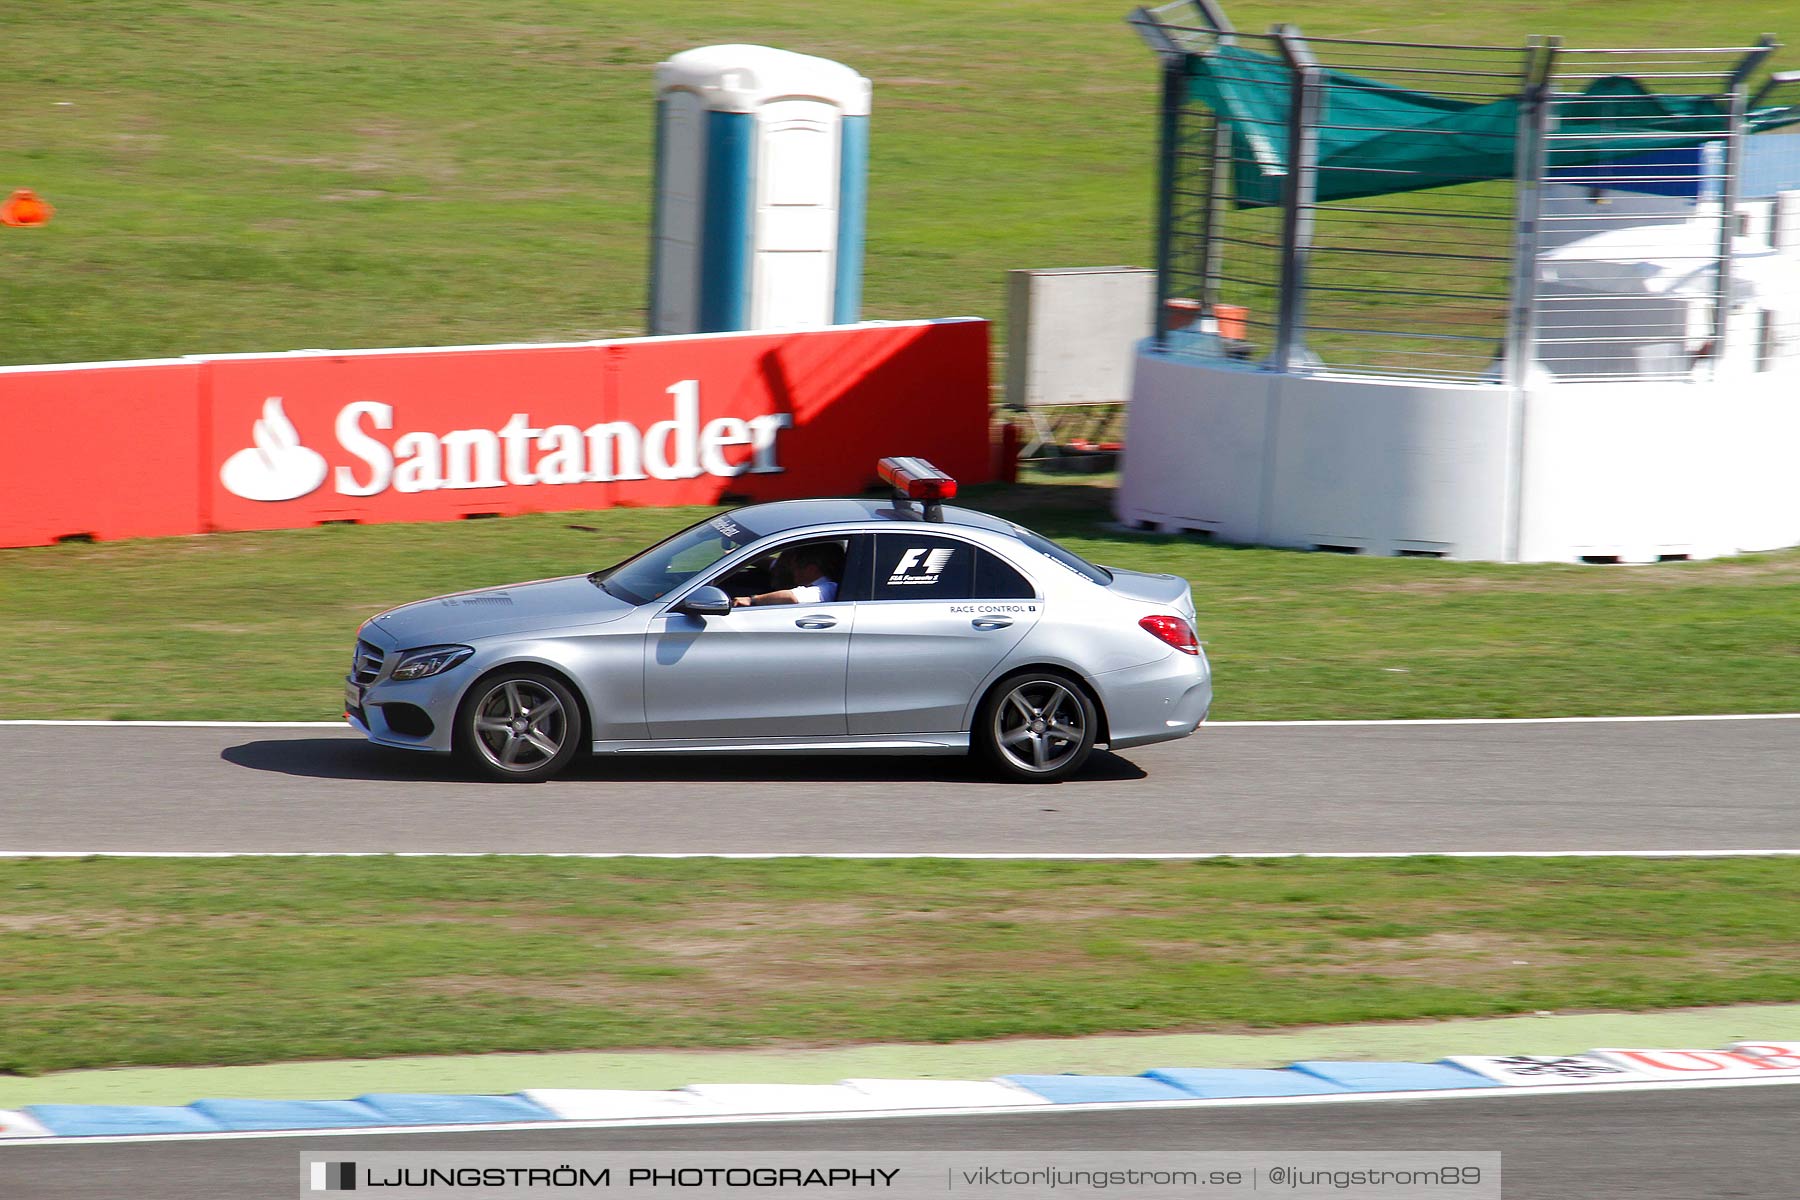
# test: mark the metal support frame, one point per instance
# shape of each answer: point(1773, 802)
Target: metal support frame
point(1211, 265)
point(1520, 351)
point(1528, 174)
point(1299, 192)
point(1215, 18)
point(1737, 109)
point(1174, 92)
point(1218, 179)
point(1150, 26)
point(1775, 82)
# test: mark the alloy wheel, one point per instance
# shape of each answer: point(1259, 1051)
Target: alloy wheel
point(1039, 726)
point(520, 725)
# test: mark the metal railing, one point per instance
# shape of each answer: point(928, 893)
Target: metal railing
point(1420, 270)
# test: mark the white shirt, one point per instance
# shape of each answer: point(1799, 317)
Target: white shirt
point(821, 591)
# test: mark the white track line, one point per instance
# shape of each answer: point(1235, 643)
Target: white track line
point(1007, 856)
point(1651, 1085)
point(1209, 725)
point(191, 724)
point(1515, 720)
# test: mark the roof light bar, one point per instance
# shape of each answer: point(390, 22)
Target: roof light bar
point(916, 479)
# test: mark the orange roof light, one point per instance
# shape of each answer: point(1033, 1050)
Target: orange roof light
point(24, 208)
point(916, 479)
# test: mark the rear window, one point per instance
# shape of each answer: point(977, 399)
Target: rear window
point(918, 566)
point(994, 580)
point(1065, 558)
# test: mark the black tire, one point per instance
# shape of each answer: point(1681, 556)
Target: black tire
point(1036, 727)
point(518, 725)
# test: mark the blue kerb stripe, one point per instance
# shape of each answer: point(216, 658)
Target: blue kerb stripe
point(247, 1115)
point(1395, 1076)
point(418, 1109)
point(1222, 1082)
point(120, 1120)
point(1095, 1089)
point(725, 228)
point(853, 198)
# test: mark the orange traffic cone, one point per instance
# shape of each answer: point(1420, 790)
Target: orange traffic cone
point(24, 208)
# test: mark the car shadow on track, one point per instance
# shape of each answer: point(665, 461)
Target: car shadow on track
point(342, 758)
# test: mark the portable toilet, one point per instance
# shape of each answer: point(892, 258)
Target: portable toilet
point(761, 176)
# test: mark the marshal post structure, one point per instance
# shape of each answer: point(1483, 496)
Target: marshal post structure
point(1525, 303)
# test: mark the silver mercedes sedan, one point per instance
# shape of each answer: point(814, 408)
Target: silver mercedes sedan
point(897, 626)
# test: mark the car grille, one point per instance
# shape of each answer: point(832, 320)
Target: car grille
point(367, 663)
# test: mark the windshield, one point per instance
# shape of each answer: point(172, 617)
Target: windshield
point(1069, 559)
point(669, 564)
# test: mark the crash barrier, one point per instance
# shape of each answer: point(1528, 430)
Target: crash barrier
point(99, 451)
point(1739, 1062)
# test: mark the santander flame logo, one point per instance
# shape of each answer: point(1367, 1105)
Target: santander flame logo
point(277, 467)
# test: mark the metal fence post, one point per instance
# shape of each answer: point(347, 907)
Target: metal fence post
point(1737, 108)
point(1299, 192)
point(1174, 92)
point(1528, 175)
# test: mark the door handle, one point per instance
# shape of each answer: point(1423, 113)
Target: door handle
point(991, 622)
point(815, 622)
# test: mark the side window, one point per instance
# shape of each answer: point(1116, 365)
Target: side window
point(922, 566)
point(995, 580)
point(778, 568)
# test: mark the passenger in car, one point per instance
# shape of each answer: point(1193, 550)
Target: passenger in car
point(816, 571)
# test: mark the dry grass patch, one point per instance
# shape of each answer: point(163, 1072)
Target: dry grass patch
point(119, 961)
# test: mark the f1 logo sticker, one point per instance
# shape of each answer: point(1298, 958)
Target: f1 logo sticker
point(933, 564)
point(929, 563)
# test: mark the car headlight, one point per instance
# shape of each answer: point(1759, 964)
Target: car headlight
point(430, 660)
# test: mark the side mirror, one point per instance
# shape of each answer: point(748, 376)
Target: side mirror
point(705, 602)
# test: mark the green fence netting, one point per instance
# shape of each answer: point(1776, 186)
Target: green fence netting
point(1376, 139)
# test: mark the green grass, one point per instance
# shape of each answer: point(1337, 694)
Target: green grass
point(237, 177)
point(135, 962)
point(259, 626)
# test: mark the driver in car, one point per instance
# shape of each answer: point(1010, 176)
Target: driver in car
point(815, 582)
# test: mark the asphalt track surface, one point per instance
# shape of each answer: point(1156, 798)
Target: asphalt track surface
point(1674, 1145)
point(1540, 787)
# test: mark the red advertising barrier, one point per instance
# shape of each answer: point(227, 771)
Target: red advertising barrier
point(99, 452)
point(278, 441)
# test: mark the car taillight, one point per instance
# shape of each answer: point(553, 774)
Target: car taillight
point(1173, 630)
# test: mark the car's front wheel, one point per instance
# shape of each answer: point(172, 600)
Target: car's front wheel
point(1037, 727)
point(519, 726)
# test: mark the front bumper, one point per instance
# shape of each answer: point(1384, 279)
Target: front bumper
point(410, 714)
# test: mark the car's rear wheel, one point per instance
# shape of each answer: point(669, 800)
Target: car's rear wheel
point(1037, 727)
point(519, 726)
